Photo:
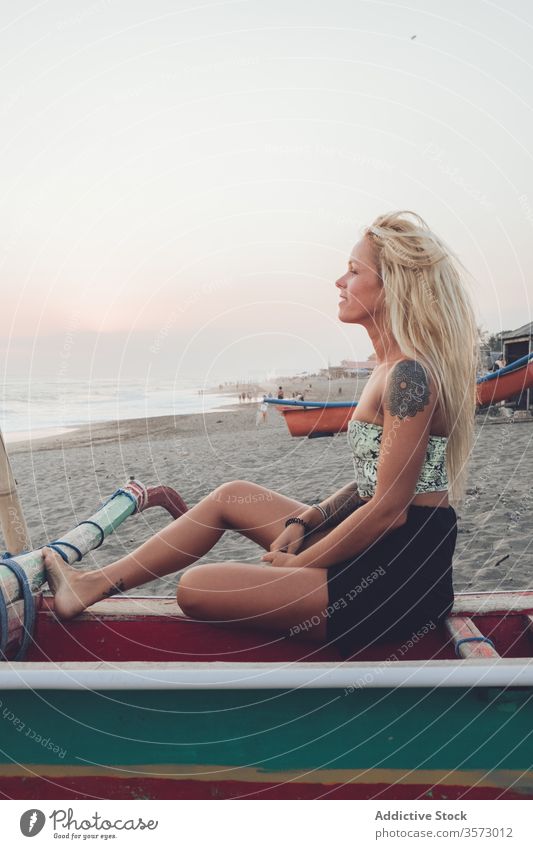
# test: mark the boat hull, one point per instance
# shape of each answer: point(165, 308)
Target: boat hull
point(505, 386)
point(316, 421)
point(185, 710)
point(408, 743)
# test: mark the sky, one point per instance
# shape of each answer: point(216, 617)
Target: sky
point(183, 181)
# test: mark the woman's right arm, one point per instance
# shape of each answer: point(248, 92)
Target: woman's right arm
point(334, 509)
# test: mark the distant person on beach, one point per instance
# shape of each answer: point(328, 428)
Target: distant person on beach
point(391, 528)
point(280, 392)
point(261, 415)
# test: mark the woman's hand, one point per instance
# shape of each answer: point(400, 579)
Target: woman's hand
point(290, 539)
point(280, 558)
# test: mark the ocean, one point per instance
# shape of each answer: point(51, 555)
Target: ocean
point(39, 408)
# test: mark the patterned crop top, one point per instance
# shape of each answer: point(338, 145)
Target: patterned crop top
point(364, 439)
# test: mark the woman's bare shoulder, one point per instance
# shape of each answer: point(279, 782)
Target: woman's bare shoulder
point(408, 387)
point(411, 369)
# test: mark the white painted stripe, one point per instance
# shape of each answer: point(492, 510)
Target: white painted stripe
point(489, 672)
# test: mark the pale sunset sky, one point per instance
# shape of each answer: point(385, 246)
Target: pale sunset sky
point(183, 181)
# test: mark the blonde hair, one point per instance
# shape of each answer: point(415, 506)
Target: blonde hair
point(432, 319)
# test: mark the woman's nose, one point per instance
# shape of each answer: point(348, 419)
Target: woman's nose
point(341, 283)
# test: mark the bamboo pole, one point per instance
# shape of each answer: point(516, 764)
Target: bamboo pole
point(14, 529)
point(89, 534)
point(84, 536)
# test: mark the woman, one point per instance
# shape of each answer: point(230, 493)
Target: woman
point(373, 560)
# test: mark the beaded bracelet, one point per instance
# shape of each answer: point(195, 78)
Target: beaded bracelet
point(295, 520)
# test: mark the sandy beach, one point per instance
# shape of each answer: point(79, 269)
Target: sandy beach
point(63, 478)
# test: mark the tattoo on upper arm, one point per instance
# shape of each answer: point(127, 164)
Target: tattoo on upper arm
point(408, 389)
point(341, 505)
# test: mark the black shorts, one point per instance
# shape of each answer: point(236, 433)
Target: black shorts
point(397, 585)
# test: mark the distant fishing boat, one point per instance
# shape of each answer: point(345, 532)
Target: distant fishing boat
point(325, 418)
point(315, 418)
point(508, 381)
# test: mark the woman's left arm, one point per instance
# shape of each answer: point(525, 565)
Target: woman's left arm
point(408, 407)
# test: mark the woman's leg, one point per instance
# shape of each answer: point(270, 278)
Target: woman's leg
point(256, 512)
point(277, 599)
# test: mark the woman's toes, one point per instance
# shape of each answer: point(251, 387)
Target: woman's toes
point(49, 555)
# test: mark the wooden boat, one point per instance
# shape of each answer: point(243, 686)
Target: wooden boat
point(313, 419)
point(133, 700)
point(325, 418)
point(506, 382)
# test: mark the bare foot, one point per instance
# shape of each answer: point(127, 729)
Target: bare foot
point(66, 583)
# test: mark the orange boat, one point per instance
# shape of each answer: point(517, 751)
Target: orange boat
point(507, 382)
point(314, 419)
point(325, 418)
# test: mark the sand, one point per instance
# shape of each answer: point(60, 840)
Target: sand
point(62, 479)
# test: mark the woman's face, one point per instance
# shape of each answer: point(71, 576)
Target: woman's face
point(361, 295)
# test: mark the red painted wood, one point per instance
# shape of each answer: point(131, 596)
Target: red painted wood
point(176, 638)
point(165, 638)
point(508, 632)
point(463, 628)
point(95, 787)
point(168, 498)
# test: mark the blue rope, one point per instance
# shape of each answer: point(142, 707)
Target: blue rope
point(3, 625)
point(29, 601)
point(473, 640)
point(7, 554)
point(29, 610)
point(122, 492)
point(97, 526)
point(57, 542)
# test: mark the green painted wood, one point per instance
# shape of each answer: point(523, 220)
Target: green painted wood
point(272, 730)
point(85, 537)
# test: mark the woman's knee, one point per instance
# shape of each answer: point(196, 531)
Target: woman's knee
point(193, 590)
point(187, 593)
point(239, 492)
point(230, 491)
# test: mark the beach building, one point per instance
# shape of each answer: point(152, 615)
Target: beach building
point(354, 367)
point(516, 344)
point(349, 368)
